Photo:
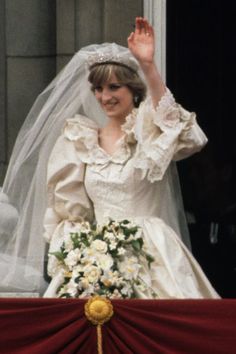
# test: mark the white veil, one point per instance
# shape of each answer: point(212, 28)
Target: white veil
point(22, 256)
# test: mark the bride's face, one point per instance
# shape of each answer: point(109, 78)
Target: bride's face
point(115, 99)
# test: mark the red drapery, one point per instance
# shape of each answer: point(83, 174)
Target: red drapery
point(53, 326)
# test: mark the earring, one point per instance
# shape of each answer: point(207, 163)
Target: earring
point(136, 99)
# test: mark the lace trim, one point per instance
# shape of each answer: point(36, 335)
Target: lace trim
point(84, 133)
point(154, 162)
point(129, 126)
point(156, 130)
point(158, 133)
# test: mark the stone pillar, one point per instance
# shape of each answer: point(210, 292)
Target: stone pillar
point(3, 132)
point(65, 31)
point(27, 62)
point(155, 12)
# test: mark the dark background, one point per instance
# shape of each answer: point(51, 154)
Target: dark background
point(201, 72)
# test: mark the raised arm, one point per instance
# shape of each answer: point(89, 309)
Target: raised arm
point(141, 43)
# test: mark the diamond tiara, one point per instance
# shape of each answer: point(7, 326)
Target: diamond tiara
point(109, 58)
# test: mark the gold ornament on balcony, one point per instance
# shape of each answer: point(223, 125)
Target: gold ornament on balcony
point(98, 310)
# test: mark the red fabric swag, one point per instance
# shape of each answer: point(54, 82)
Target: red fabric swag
point(53, 326)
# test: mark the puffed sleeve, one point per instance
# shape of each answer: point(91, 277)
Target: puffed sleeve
point(165, 133)
point(67, 197)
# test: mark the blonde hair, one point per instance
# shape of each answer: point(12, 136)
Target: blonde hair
point(101, 73)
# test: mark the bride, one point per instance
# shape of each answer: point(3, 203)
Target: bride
point(121, 131)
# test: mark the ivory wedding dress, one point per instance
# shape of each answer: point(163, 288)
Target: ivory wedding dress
point(85, 182)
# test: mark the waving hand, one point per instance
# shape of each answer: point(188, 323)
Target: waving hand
point(141, 42)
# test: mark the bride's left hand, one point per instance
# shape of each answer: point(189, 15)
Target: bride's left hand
point(141, 42)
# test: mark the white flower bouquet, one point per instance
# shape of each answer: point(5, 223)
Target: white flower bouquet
point(102, 260)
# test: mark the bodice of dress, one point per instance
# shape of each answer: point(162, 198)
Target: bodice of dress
point(117, 190)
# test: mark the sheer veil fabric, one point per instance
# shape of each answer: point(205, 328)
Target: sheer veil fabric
point(23, 253)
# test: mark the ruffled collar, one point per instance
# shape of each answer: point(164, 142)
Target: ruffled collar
point(84, 133)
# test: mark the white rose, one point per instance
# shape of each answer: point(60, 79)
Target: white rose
point(72, 258)
point(105, 261)
point(92, 273)
point(129, 268)
point(99, 246)
point(89, 255)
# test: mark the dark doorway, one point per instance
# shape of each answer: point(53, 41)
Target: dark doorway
point(201, 72)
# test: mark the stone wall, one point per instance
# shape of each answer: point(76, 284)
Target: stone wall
point(37, 38)
point(84, 22)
